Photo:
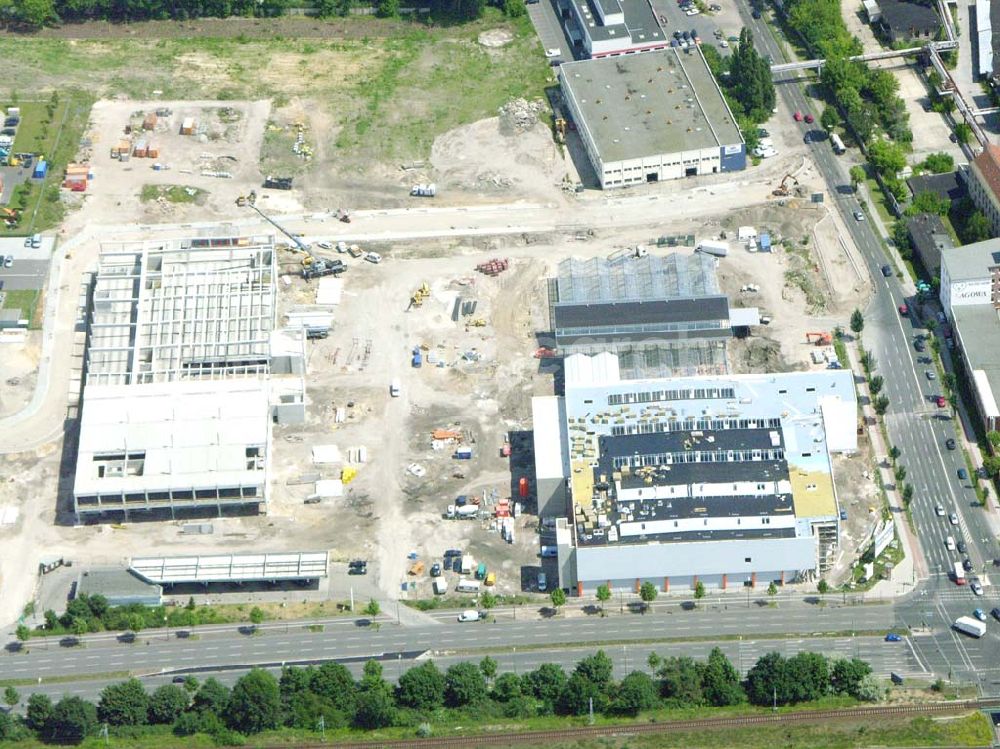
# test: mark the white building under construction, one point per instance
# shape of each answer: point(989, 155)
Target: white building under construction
point(182, 378)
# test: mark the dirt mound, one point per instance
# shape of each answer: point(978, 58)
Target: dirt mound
point(519, 115)
point(495, 38)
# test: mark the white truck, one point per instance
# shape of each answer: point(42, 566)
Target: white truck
point(970, 626)
point(468, 564)
point(463, 512)
point(959, 574)
point(467, 586)
point(440, 586)
point(713, 247)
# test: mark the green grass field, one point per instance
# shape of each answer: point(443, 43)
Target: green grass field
point(25, 300)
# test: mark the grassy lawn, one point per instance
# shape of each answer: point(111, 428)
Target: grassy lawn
point(57, 138)
point(172, 194)
point(387, 96)
point(25, 300)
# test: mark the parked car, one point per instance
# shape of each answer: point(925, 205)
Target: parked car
point(755, 13)
point(810, 119)
point(940, 401)
point(797, 116)
point(723, 44)
point(893, 637)
point(980, 615)
point(373, 257)
point(963, 474)
point(436, 570)
point(929, 374)
point(995, 613)
point(552, 52)
point(859, 216)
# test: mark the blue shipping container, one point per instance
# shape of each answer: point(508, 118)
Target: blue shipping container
point(41, 169)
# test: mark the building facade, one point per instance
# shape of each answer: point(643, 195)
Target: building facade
point(983, 182)
point(723, 480)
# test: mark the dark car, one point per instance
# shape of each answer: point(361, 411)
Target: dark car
point(967, 564)
point(357, 567)
point(919, 345)
point(963, 474)
point(69, 642)
point(435, 570)
point(995, 613)
point(755, 13)
point(179, 679)
point(893, 637)
point(961, 546)
point(886, 271)
point(453, 553)
point(949, 443)
point(447, 563)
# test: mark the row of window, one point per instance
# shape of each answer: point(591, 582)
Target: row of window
point(698, 456)
point(651, 396)
point(689, 425)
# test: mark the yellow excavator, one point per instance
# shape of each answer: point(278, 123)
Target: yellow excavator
point(420, 295)
point(477, 323)
point(244, 200)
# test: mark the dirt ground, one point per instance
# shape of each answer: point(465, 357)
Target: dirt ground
point(18, 372)
point(228, 140)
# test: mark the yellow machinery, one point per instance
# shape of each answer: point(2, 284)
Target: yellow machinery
point(420, 295)
point(348, 474)
point(477, 323)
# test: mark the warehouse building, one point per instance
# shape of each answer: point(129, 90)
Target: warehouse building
point(603, 28)
point(184, 376)
point(723, 480)
point(970, 296)
point(625, 302)
point(652, 117)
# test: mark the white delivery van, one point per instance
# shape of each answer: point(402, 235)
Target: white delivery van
point(467, 586)
point(395, 387)
point(440, 586)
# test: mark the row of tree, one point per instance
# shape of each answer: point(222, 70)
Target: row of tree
point(329, 695)
point(37, 13)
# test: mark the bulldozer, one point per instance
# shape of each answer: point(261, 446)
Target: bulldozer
point(782, 191)
point(477, 323)
point(245, 200)
point(420, 295)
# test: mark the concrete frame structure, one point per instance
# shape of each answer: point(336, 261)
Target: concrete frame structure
point(177, 403)
point(970, 296)
point(231, 568)
point(652, 117)
point(723, 480)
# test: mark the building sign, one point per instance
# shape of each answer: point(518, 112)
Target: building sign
point(884, 535)
point(731, 150)
point(970, 292)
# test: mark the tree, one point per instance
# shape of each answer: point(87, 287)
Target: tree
point(38, 712)
point(256, 615)
point(772, 589)
point(750, 79)
point(869, 689)
point(928, 202)
point(487, 600)
point(508, 686)
point(514, 8)
point(823, 587)
point(35, 13)
point(857, 176)
point(11, 697)
point(846, 675)
point(255, 703)
point(888, 158)
point(373, 609)
point(421, 687)
point(680, 681)
point(894, 452)
point(51, 619)
point(977, 228)
point(808, 676)
point(604, 593)
point(699, 590)
point(387, 8)
point(597, 668)
point(992, 465)
point(558, 597)
point(963, 133)
point(647, 592)
point(767, 680)
point(829, 119)
point(167, 703)
point(22, 633)
point(71, 721)
point(881, 404)
point(868, 361)
point(579, 694)
point(907, 493)
point(857, 322)
point(636, 693)
point(79, 626)
point(464, 684)
point(720, 681)
point(212, 696)
point(489, 668)
point(9, 730)
point(335, 684)
point(900, 474)
point(875, 384)
point(124, 704)
point(939, 163)
point(546, 682)
point(375, 709)
point(993, 435)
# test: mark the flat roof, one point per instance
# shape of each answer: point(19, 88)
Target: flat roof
point(650, 313)
point(971, 261)
point(639, 27)
point(648, 104)
point(118, 586)
point(623, 277)
point(548, 418)
point(974, 324)
point(231, 567)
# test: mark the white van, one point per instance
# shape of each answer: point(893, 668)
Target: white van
point(543, 582)
point(467, 586)
point(950, 543)
point(395, 387)
point(440, 586)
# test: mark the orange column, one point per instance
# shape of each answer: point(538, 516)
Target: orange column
point(753, 580)
point(694, 582)
point(782, 577)
point(666, 585)
point(637, 585)
point(723, 582)
point(579, 589)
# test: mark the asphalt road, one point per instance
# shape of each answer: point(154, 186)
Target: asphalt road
point(915, 425)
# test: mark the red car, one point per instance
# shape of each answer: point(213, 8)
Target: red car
point(798, 116)
point(941, 402)
point(904, 310)
point(810, 119)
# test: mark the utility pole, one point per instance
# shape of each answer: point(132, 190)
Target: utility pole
point(321, 726)
point(774, 700)
point(589, 720)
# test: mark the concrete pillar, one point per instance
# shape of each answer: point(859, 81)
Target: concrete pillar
point(782, 577)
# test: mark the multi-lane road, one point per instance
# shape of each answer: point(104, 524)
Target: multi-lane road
point(914, 424)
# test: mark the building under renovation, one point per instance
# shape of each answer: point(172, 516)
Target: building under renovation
point(184, 376)
point(724, 480)
point(661, 315)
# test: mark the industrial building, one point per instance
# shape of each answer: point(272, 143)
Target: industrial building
point(987, 27)
point(929, 237)
point(970, 296)
point(651, 117)
point(602, 28)
point(724, 480)
point(184, 376)
point(902, 20)
point(631, 304)
point(231, 568)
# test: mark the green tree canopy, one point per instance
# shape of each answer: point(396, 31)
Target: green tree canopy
point(167, 703)
point(636, 693)
point(38, 712)
point(375, 709)
point(71, 721)
point(334, 683)
point(124, 704)
point(721, 684)
point(464, 684)
point(680, 681)
point(421, 687)
point(508, 686)
point(546, 682)
point(212, 696)
point(255, 703)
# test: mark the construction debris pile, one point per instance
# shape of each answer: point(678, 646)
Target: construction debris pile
point(519, 115)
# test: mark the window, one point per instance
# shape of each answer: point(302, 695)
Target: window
point(747, 560)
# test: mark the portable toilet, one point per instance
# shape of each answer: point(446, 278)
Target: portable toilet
point(481, 571)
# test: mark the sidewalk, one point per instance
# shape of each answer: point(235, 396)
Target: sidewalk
point(904, 575)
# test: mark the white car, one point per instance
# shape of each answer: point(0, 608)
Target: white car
point(977, 587)
point(939, 511)
point(692, 12)
point(469, 616)
point(373, 257)
point(723, 44)
point(415, 469)
point(953, 519)
point(325, 245)
point(552, 52)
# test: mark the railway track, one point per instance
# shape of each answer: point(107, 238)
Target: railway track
point(585, 732)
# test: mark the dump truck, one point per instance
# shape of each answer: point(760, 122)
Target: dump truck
point(970, 626)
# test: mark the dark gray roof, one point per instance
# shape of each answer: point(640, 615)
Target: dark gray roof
point(609, 314)
point(906, 18)
point(947, 186)
point(119, 586)
point(640, 24)
point(929, 236)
